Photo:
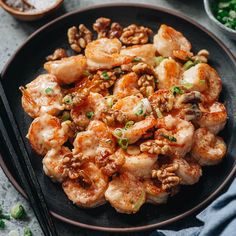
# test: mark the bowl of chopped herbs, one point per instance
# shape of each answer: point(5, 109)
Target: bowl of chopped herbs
point(223, 14)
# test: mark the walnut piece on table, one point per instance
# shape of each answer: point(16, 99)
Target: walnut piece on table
point(134, 34)
point(167, 176)
point(58, 54)
point(79, 37)
point(105, 29)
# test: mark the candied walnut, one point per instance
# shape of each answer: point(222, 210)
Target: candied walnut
point(134, 34)
point(112, 116)
point(155, 146)
point(105, 29)
point(84, 180)
point(146, 81)
point(167, 176)
point(79, 37)
point(58, 54)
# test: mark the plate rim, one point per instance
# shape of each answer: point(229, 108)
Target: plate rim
point(179, 217)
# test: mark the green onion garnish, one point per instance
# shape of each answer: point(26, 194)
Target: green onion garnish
point(158, 60)
point(17, 211)
point(170, 138)
point(86, 73)
point(118, 132)
point(123, 143)
point(202, 81)
point(90, 114)
point(105, 75)
point(27, 232)
point(137, 59)
point(129, 124)
point(176, 90)
point(68, 99)
point(187, 85)
point(109, 101)
point(48, 90)
point(65, 116)
point(188, 65)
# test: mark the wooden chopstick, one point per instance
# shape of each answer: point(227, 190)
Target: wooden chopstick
point(11, 136)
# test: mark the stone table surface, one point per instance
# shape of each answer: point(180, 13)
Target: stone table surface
point(14, 32)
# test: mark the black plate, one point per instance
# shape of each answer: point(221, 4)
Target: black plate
point(27, 63)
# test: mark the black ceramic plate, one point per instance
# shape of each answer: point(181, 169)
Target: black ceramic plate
point(27, 63)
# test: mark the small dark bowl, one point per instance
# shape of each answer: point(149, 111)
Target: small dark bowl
point(208, 4)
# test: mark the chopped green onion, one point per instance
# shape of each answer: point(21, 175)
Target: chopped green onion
point(187, 85)
point(139, 112)
point(68, 99)
point(65, 116)
point(170, 138)
point(158, 60)
point(27, 232)
point(48, 90)
point(139, 202)
point(90, 114)
point(188, 65)
point(2, 224)
point(118, 132)
point(105, 75)
point(176, 90)
point(202, 81)
point(17, 211)
point(109, 101)
point(123, 143)
point(86, 73)
point(137, 59)
point(129, 124)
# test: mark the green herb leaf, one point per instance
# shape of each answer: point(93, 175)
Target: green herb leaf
point(123, 143)
point(176, 90)
point(137, 59)
point(27, 232)
point(129, 124)
point(170, 138)
point(48, 90)
point(105, 75)
point(17, 211)
point(2, 224)
point(90, 114)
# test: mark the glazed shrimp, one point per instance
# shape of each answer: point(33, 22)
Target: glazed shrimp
point(96, 141)
point(42, 95)
point(46, 132)
point(104, 53)
point(188, 170)
point(127, 107)
point(171, 43)
point(213, 118)
point(145, 52)
point(126, 86)
point(126, 193)
point(203, 78)
point(168, 72)
point(140, 164)
point(135, 132)
point(53, 163)
point(67, 70)
point(175, 133)
point(91, 109)
point(88, 190)
point(208, 149)
point(155, 194)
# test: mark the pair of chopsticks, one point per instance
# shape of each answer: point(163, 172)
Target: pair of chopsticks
point(12, 139)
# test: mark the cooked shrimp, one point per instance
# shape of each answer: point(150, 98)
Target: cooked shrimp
point(42, 95)
point(90, 109)
point(145, 52)
point(46, 132)
point(207, 149)
point(67, 70)
point(104, 53)
point(203, 78)
point(188, 170)
point(135, 132)
point(213, 118)
point(168, 72)
point(96, 141)
point(53, 163)
point(139, 165)
point(88, 190)
point(127, 107)
point(171, 43)
point(155, 193)
point(126, 86)
point(126, 193)
point(175, 133)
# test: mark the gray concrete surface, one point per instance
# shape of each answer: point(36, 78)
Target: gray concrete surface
point(12, 35)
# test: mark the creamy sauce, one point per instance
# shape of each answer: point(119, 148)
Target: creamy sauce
point(31, 5)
